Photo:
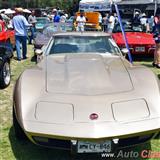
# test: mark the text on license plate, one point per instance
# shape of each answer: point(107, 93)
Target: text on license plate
point(91, 147)
point(140, 49)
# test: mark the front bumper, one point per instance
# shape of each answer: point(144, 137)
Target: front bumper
point(93, 130)
point(60, 135)
point(67, 144)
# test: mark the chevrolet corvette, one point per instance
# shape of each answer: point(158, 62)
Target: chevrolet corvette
point(84, 96)
point(140, 43)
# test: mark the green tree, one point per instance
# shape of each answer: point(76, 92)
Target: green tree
point(62, 4)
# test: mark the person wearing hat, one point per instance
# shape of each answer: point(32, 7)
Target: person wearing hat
point(144, 23)
point(5, 17)
point(20, 25)
point(80, 20)
point(136, 19)
point(56, 16)
point(32, 20)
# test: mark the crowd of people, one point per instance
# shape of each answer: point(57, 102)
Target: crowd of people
point(20, 21)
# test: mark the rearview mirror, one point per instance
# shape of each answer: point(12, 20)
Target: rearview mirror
point(124, 51)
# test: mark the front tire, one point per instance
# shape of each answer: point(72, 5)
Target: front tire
point(19, 133)
point(5, 75)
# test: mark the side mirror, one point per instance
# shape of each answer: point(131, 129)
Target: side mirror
point(39, 55)
point(38, 52)
point(124, 51)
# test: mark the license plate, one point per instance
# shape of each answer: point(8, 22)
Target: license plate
point(91, 147)
point(140, 49)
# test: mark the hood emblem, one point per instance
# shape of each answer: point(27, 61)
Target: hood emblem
point(93, 116)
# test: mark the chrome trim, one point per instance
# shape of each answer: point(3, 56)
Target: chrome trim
point(151, 49)
point(132, 49)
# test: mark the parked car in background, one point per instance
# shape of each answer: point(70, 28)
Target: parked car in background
point(86, 97)
point(43, 37)
point(41, 22)
point(139, 42)
point(7, 43)
point(92, 21)
point(5, 71)
point(7, 35)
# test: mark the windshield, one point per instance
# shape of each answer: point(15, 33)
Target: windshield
point(84, 44)
point(128, 28)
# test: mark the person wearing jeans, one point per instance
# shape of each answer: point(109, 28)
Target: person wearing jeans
point(20, 25)
point(21, 40)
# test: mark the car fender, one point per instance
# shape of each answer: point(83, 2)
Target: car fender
point(146, 84)
point(29, 87)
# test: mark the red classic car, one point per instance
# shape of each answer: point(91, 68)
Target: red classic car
point(6, 35)
point(139, 42)
point(7, 42)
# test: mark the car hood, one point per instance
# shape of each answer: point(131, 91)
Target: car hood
point(86, 74)
point(134, 38)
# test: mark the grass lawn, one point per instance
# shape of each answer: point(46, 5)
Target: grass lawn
point(11, 149)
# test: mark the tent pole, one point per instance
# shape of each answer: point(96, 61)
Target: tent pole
point(123, 33)
point(155, 7)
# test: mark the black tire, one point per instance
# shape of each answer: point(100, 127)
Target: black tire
point(5, 75)
point(19, 133)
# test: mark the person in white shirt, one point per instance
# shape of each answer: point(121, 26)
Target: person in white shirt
point(80, 20)
point(62, 18)
point(32, 20)
point(111, 23)
point(62, 21)
point(144, 22)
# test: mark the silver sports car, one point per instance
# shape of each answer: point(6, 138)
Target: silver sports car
point(85, 96)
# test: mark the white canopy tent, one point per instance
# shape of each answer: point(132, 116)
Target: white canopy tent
point(26, 11)
point(130, 2)
point(9, 11)
point(2, 10)
point(94, 5)
point(103, 5)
